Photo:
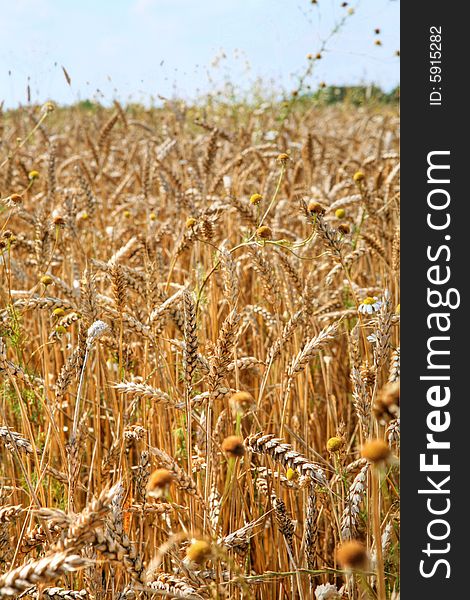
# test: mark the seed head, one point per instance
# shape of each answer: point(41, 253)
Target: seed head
point(14, 199)
point(344, 229)
point(264, 232)
point(318, 56)
point(376, 451)
point(59, 221)
point(198, 552)
point(233, 446)
point(158, 482)
point(352, 555)
point(315, 208)
point(242, 401)
point(309, 56)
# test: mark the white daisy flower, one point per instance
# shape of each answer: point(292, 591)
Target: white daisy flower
point(370, 305)
point(326, 591)
point(270, 136)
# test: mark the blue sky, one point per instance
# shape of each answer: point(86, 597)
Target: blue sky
point(142, 48)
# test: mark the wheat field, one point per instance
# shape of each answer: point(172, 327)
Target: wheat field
point(199, 352)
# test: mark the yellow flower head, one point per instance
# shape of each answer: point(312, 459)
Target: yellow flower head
point(190, 222)
point(283, 158)
point(334, 444)
point(255, 199)
point(46, 280)
point(48, 107)
point(32, 175)
point(359, 176)
point(340, 213)
point(291, 475)
point(199, 551)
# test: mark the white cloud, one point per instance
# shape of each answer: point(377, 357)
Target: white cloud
point(143, 7)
